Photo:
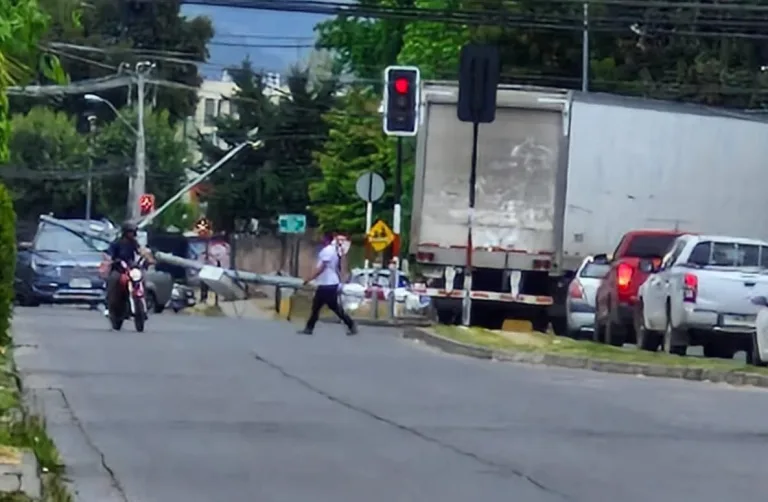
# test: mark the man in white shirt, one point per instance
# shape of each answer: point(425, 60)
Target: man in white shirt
point(328, 279)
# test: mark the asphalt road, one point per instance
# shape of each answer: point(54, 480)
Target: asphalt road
point(202, 409)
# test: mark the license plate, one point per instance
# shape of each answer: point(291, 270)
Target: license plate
point(739, 320)
point(80, 283)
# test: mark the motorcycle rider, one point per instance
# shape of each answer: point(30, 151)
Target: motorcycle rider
point(123, 249)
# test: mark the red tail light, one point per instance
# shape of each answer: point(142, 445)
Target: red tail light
point(575, 290)
point(690, 288)
point(379, 293)
point(624, 276)
point(421, 256)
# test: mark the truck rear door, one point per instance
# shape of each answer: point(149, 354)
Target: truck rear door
point(517, 169)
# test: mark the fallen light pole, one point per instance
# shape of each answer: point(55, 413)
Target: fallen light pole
point(224, 282)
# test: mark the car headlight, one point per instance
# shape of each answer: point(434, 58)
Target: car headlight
point(45, 268)
point(175, 294)
point(135, 274)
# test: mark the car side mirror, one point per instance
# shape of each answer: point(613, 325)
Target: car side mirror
point(760, 300)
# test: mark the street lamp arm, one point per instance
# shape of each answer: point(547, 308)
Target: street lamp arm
point(120, 116)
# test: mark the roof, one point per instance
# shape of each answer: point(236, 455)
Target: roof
point(667, 106)
point(736, 240)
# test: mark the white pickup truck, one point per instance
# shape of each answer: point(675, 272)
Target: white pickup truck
point(702, 294)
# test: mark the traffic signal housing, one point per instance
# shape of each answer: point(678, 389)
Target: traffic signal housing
point(402, 90)
point(146, 203)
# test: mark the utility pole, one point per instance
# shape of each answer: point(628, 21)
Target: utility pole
point(89, 183)
point(137, 184)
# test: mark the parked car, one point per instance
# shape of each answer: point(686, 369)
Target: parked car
point(617, 294)
point(703, 293)
point(60, 266)
point(580, 305)
point(364, 284)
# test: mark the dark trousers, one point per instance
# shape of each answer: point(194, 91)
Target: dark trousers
point(327, 295)
point(114, 293)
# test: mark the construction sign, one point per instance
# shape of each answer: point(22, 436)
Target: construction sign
point(380, 237)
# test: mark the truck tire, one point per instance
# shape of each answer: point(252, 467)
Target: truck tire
point(753, 353)
point(672, 344)
point(645, 339)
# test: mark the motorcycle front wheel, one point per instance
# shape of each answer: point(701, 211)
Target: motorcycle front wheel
point(139, 314)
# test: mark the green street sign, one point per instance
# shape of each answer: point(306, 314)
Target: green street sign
point(292, 223)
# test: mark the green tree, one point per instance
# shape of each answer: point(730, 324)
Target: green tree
point(114, 145)
point(22, 25)
point(117, 34)
point(262, 183)
point(355, 145)
point(48, 162)
point(7, 263)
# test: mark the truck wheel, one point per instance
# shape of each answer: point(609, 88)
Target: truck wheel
point(753, 353)
point(672, 340)
point(645, 339)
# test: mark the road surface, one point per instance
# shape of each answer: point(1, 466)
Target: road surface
point(206, 410)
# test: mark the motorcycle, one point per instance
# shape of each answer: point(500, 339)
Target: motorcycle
point(132, 283)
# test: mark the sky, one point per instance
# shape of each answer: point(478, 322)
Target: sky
point(254, 33)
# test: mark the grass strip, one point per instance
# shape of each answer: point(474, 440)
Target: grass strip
point(550, 344)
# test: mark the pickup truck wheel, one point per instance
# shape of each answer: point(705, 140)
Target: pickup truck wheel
point(645, 338)
point(753, 353)
point(671, 340)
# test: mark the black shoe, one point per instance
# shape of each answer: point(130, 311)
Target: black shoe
point(352, 331)
point(305, 331)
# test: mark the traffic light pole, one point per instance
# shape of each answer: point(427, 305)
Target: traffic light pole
point(396, 222)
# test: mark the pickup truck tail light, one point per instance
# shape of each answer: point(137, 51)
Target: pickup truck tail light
point(575, 290)
point(690, 288)
point(624, 277)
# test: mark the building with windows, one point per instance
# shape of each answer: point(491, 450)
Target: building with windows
point(214, 102)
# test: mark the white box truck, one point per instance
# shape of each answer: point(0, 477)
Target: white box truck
point(562, 175)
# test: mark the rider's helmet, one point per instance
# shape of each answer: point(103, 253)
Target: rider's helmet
point(129, 229)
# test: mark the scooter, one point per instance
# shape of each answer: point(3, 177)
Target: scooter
point(132, 282)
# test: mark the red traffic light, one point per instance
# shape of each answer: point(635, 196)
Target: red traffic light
point(401, 85)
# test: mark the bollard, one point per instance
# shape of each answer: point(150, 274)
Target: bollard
point(375, 303)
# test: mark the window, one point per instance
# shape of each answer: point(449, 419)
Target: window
point(54, 238)
point(729, 254)
point(649, 246)
point(595, 270)
point(233, 109)
point(210, 112)
point(671, 257)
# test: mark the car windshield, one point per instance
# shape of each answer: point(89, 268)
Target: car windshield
point(55, 238)
point(595, 270)
point(729, 254)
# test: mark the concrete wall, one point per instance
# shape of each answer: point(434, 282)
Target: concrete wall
point(267, 254)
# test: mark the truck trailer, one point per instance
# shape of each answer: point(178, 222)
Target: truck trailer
point(562, 175)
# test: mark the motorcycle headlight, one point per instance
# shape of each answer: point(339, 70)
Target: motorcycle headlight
point(135, 274)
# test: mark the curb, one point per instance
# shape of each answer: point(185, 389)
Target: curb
point(574, 362)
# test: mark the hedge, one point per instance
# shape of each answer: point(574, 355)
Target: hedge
point(7, 263)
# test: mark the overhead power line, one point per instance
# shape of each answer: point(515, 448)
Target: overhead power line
point(81, 87)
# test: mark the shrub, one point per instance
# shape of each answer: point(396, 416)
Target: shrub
point(7, 262)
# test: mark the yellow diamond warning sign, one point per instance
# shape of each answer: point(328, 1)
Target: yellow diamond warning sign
point(380, 237)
